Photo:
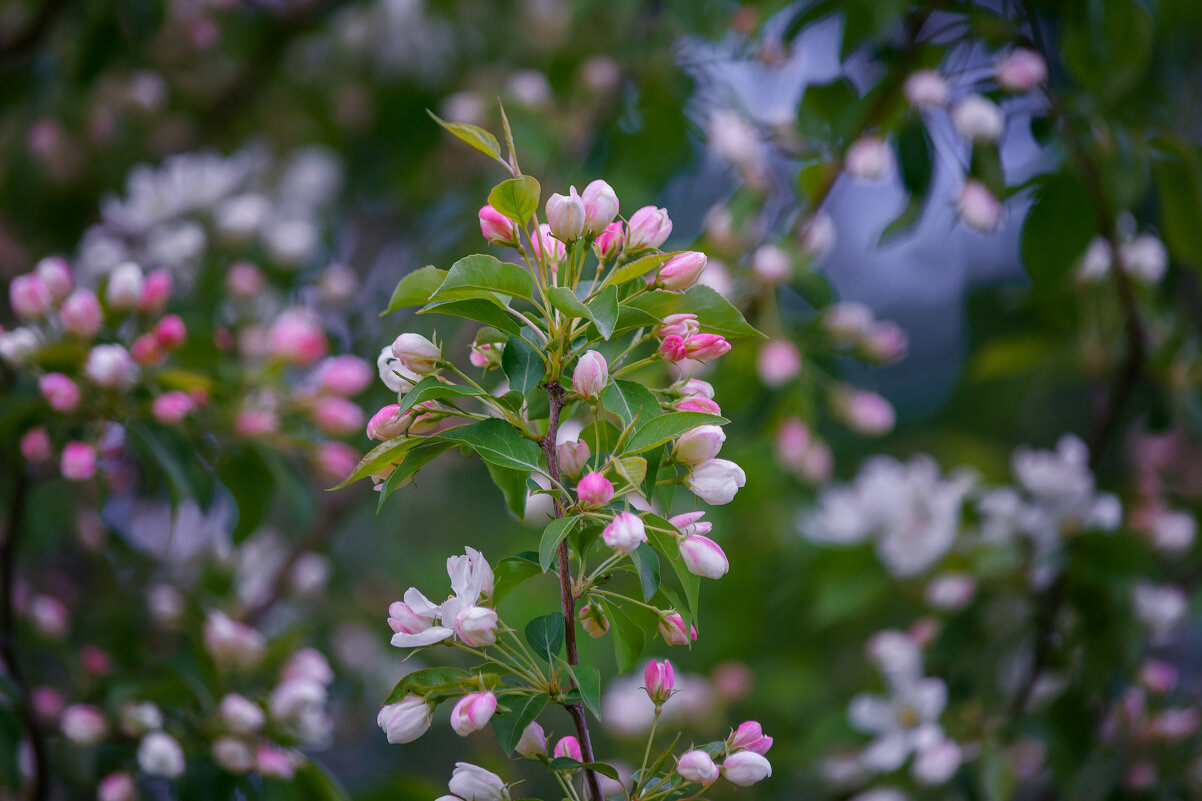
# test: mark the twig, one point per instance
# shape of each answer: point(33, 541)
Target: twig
point(39, 789)
point(556, 393)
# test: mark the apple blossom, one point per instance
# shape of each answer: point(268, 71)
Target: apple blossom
point(937, 764)
point(592, 621)
point(672, 629)
point(703, 557)
point(865, 412)
point(745, 768)
point(485, 355)
point(698, 444)
point(81, 313)
point(672, 349)
point(591, 375)
point(600, 207)
point(978, 119)
point(779, 362)
point(473, 712)
point(241, 716)
point(233, 755)
point(681, 325)
point(706, 346)
point(978, 207)
point(406, 720)
point(56, 276)
point(573, 457)
point(649, 228)
point(926, 88)
point(140, 717)
point(497, 228)
point(533, 742)
point(337, 416)
point(296, 337)
point(624, 533)
point(474, 783)
point(697, 403)
point(147, 351)
point(231, 644)
point(172, 407)
point(170, 331)
point(477, 626)
point(83, 724)
point(416, 353)
point(658, 680)
point(609, 242)
point(1021, 70)
point(29, 296)
point(276, 763)
point(110, 366)
point(818, 235)
point(60, 392)
point(156, 291)
point(78, 461)
point(124, 286)
point(884, 342)
point(715, 481)
point(869, 159)
point(594, 489)
point(771, 265)
point(681, 271)
point(568, 747)
point(542, 242)
point(697, 766)
point(565, 215)
point(117, 787)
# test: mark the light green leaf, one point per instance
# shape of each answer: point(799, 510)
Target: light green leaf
point(475, 136)
point(380, 457)
point(523, 365)
point(639, 267)
point(516, 198)
point(588, 681)
point(565, 301)
point(510, 725)
point(483, 276)
point(666, 427)
point(604, 310)
point(629, 639)
point(498, 443)
point(553, 534)
point(714, 312)
point(431, 388)
point(630, 400)
point(415, 288)
point(633, 469)
point(545, 635)
point(430, 681)
point(512, 571)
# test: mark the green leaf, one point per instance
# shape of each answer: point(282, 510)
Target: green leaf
point(1057, 230)
point(415, 288)
point(315, 784)
point(902, 223)
point(553, 534)
point(654, 458)
point(414, 460)
point(509, 726)
point(666, 545)
point(633, 469)
point(512, 571)
point(512, 484)
point(567, 763)
point(432, 388)
point(830, 112)
point(814, 287)
point(480, 276)
point(630, 400)
point(498, 443)
point(630, 318)
point(1179, 181)
point(914, 156)
point(565, 301)
point(430, 681)
point(604, 310)
point(646, 564)
point(545, 635)
point(659, 430)
point(488, 312)
point(380, 457)
point(637, 268)
point(588, 681)
point(516, 198)
point(522, 364)
point(475, 136)
point(714, 312)
point(629, 639)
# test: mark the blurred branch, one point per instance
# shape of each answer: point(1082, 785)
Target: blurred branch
point(25, 39)
point(39, 789)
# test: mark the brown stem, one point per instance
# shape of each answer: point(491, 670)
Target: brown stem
point(39, 788)
point(567, 597)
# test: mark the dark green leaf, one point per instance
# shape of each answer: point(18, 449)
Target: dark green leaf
point(553, 534)
point(666, 545)
point(567, 763)
point(509, 726)
point(714, 312)
point(630, 400)
point(513, 571)
point(629, 639)
point(414, 460)
point(914, 156)
point(430, 681)
point(484, 311)
point(1057, 230)
point(588, 681)
point(516, 198)
point(646, 564)
point(903, 222)
point(659, 430)
point(498, 443)
point(475, 136)
point(512, 484)
point(604, 310)
point(545, 635)
point(1179, 180)
point(523, 365)
point(483, 276)
point(432, 388)
point(565, 301)
point(380, 457)
point(415, 289)
point(830, 112)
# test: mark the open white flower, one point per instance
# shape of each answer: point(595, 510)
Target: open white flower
point(419, 621)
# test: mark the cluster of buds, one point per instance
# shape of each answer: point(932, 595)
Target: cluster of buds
point(739, 759)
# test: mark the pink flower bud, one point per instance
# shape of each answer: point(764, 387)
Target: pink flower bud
point(402, 619)
point(658, 680)
point(706, 346)
point(125, 286)
point(732, 681)
point(47, 703)
point(35, 446)
point(533, 742)
point(625, 532)
point(681, 325)
point(117, 787)
point(649, 228)
point(697, 403)
point(233, 755)
point(592, 621)
point(698, 444)
point(473, 712)
point(296, 338)
point(337, 416)
point(78, 461)
point(672, 629)
point(29, 296)
point(771, 265)
point(387, 423)
point(156, 291)
point(573, 457)
point(868, 159)
point(231, 644)
point(49, 616)
point(847, 321)
point(745, 768)
point(818, 235)
point(600, 207)
point(703, 557)
point(81, 314)
point(565, 215)
point(884, 342)
point(256, 422)
point(170, 332)
point(691, 523)
point(477, 626)
point(681, 271)
point(244, 280)
point(978, 207)
point(594, 489)
point(406, 720)
point(59, 391)
point(926, 88)
point(865, 412)
point(485, 355)
point(697, 766)
point(56, 275)
point(172, 407)
point(497, 228)
point(749, 735)
point(672, 349)
point(147, 351)
point(695, 387)
point(335, 460)
point(779, 362)
point(1021, 70)
point(240, 715)
point(417, 353)
point(610, 242)
point(978, 119)
point(950, 591)
point(544, 243)
point(568, 747)
point(715, 481)
point(276, 763)
point(83, 724)
point(591, 374)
